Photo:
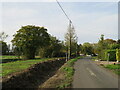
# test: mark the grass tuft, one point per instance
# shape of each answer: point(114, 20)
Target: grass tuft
point(68, 70)
point(115, 68)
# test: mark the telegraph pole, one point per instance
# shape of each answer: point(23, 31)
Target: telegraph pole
point(69, 50)
point(76, 45)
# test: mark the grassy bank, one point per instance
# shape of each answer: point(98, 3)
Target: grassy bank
point(63, 77)
point(115, 68)
point(68, 70)
point(17, 66)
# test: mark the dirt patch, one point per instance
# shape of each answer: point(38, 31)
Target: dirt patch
point(55, 80)
point(33, 76)
point(105, 62)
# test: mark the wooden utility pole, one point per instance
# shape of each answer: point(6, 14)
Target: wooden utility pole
point(70, 38)
point(69, 50)
point(76, 45)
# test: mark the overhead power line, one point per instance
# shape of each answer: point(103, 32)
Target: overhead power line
point(71, 27)
point(64, 12)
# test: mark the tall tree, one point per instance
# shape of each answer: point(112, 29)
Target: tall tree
point(101, 46)
point(118, 41)
point(3, 45)
point(3, 48)
point(3, 36)
point(54, 49)
point(29, 38)
point(87, 49)
point(70, 39)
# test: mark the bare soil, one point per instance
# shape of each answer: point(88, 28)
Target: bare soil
point(55, 80)
point(105, 62)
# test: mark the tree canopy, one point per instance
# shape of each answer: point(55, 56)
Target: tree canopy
point(3, 48)
point(29, 38)
point(3, 36)
point(54, 49)
point(87, 49)
point(70, 40)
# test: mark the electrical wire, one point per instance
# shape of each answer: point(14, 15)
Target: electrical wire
point(64, 12)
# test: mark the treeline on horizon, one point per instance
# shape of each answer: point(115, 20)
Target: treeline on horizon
point(30, 41)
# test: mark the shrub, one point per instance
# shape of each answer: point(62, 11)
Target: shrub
point(118, 54)
point(112, 55)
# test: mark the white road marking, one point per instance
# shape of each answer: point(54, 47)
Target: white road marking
point(91, 72)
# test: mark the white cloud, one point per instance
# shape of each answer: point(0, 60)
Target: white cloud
point(14, 18)
point(92, 25)
point(89, 26)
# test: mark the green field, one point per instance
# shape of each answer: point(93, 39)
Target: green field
point(11, 58)
point(17, 66)
point(8, 57)
point(115, 68)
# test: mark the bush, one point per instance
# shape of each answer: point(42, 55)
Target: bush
point(112, 55)
point(118, 54)
point(102, 55)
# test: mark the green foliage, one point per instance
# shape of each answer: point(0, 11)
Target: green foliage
point(54, 49)
point(114, 46)
point(62, 86)
point(118, 54)
point(68, 71)
point(71, 62)
point(101, 47)
point(9, 68)
point(115, 68)
point(4, 48)
point(104, 45)
point(70, 41)
point(3, 36)
point(87, 49)
point(6, 58)
point(29, 38)
point(109, 41)
point(118, 41)
point(111, 56)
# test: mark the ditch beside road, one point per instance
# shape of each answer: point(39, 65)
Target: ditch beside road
point(33, 76)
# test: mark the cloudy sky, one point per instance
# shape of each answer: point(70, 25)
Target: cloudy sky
point(91, 19)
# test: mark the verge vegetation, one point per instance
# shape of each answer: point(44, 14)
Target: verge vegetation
point(115, 68)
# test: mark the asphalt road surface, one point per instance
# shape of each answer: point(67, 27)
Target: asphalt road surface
point(89, 75)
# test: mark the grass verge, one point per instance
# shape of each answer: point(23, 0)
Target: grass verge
point(94, 58)
point(18, 66)
point(115, 68)
point(68, 72)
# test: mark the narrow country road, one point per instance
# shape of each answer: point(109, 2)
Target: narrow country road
point(89, 75)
